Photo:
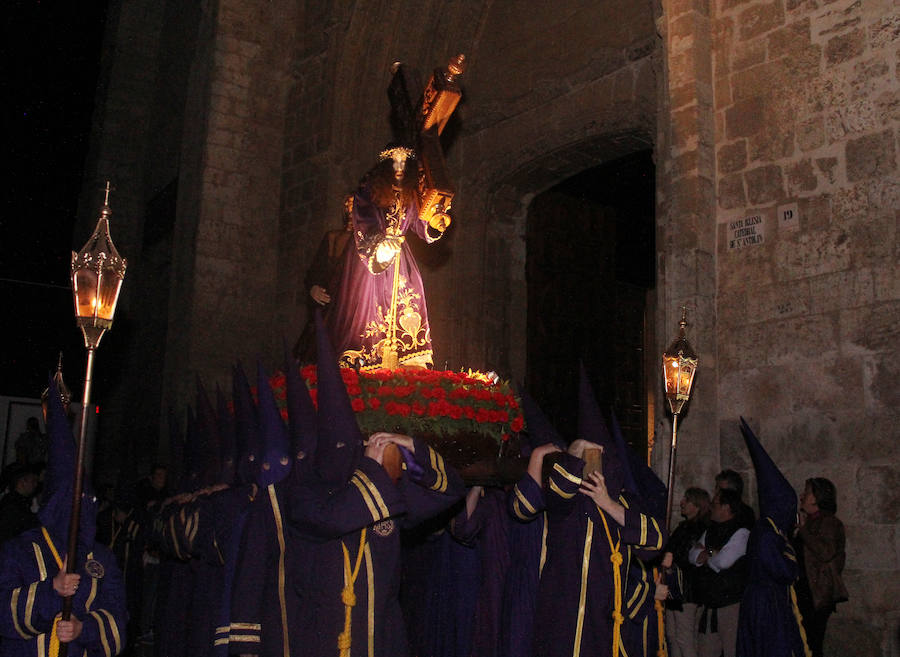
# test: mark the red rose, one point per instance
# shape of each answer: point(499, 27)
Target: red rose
point(403, 410)
point(385, 391)
point(469, 412)
point(455, 411)
point(357, 404)
point(354, 390)
point(418, 409)
point(284, 414)
point(481, 416)
point(438, 393)
point(374, 403)
point(513, 404)
point(517, 424)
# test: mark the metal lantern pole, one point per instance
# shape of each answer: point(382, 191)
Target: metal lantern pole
point(679, 367)
point(97, 274)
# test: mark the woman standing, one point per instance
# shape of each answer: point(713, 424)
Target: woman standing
point(820, 545)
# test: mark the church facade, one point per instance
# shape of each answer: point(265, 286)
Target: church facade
point(233, 130)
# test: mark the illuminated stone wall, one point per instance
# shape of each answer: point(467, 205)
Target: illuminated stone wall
point(806, 117)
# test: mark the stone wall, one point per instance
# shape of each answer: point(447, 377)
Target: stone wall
point(807, 111)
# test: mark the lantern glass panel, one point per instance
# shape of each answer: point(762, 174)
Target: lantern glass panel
point(109, 294)
point(85, 289)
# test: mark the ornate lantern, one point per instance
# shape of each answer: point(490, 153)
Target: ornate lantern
point(97, 274)
point(679, 367)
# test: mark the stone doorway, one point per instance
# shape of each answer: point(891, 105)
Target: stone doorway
point(589, 268)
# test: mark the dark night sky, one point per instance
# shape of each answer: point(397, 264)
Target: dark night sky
point(49, 81)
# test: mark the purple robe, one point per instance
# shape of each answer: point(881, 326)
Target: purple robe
point(577, 596)
point(357, 318)
point(527, 550)
point(767, 625)
point(29, 602)
point(487, 529)
point(334, 525)
point(270, 572)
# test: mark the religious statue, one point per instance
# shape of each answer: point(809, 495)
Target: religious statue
point(377, 315)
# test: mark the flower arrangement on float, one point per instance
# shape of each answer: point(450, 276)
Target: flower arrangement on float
point(441, 404)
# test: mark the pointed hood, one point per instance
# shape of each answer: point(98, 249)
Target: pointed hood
point(540, 430)
point(246, 427)
point(629, 479)
point(59, 482)
point(340, 444)
point(651, 490)
point(302, 423)
point(777, 499)
point(208, 432)
point(227, 443)
point(592, 427)
point(276, 446)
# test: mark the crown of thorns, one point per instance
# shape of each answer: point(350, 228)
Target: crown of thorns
point(392, 153)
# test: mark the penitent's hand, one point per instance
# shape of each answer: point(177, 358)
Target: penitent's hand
point(375, 448)
point(65, 584)
point(68, 630)
point(579, 445)
point(398, 439)
point(536, 460)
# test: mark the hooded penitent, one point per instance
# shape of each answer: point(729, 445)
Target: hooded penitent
point(540, 430)
point(302, 423)
point(777, 499)
point(340, 443)
point(59, 482)
point(592, 427)
point(246, 427)
point(649, 487)
point(276, 447)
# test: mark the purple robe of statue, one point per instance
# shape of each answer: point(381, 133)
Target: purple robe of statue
point(359, 318)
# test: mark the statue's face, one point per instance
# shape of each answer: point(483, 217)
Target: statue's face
point(399, 165)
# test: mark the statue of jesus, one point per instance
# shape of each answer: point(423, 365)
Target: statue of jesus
point(377, 317)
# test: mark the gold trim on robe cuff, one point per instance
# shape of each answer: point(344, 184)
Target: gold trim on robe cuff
point(29, 607)
point(437, 462)
point(517, 509)
point(376, 495)
point(559, 491)
point(244, 638)
point(14, 610)
point(568, 475)
point(114, 628)
point(521, 498)
point(102, 633)
point(39, 557)
point(244, 626)
point(364, 493)
point(659, 535)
